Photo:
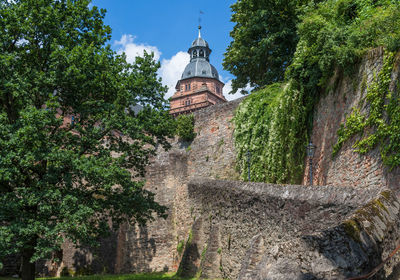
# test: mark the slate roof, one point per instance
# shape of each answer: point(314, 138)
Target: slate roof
point(200, 67)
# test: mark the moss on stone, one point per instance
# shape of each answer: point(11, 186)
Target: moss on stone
point(180, 246)
point(352, 229)
point(190, 237)
point(373, 209)
point(203, 255)
point(386, 194)
point(364, 83)
point(379, 203)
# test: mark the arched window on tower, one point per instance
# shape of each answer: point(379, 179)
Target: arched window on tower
point(201, 54)
point(194, 53)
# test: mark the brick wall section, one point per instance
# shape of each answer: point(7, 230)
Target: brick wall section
point(212, 153)
point(348, 168)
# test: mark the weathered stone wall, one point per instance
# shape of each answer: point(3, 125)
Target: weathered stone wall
point(154, 247)
point(210, 155)
point(262, 231)
point(257, 231)
point(348, 168)
point(214, 218)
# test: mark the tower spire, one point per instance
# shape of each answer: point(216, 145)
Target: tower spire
point(200, 13)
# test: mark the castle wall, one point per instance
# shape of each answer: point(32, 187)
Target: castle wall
point(348, 168)
point(154, 247)
point(257, 227)
point(210, 155)
point(253, 230)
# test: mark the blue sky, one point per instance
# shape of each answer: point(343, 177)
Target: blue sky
point(168, 28)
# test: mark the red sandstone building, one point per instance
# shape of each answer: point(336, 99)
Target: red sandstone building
point(199, 86)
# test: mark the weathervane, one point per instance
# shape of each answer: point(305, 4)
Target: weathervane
point(200, 13)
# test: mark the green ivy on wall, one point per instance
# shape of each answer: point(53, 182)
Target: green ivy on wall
point(381, 124)
point(271, 125)
point(252, 120)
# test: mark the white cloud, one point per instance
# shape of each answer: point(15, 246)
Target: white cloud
point(171, 70)
point(228, 88)
point(132, 50)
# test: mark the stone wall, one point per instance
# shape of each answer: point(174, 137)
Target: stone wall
point(258, 231)
point(261, 231)
point(348, 168)
point(154, 247)
point(210, 155)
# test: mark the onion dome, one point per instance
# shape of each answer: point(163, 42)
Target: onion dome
point(199, 65)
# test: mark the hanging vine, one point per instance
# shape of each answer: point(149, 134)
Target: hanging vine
point(271, 125)
point(380, 126)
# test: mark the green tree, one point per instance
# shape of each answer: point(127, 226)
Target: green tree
point(64, 177)
point(185, 127)
point(275, 121)
point(264, 41)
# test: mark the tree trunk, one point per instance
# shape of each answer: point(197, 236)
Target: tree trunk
point(28, 268)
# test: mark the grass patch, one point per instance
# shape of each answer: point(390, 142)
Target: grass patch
point(139, 276)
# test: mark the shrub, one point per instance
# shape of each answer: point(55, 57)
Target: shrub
point(185, 127)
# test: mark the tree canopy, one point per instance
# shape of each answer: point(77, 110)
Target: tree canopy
point(72, 149)
point(274, 123)
point(264, 41)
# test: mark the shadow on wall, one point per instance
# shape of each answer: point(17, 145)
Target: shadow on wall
point(102, 259)
point(191, 258)
point(136, 248)
point(362, 242)
point(344, 255)
point(128, 250)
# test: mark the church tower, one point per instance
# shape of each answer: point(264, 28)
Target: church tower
point(199, 86)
